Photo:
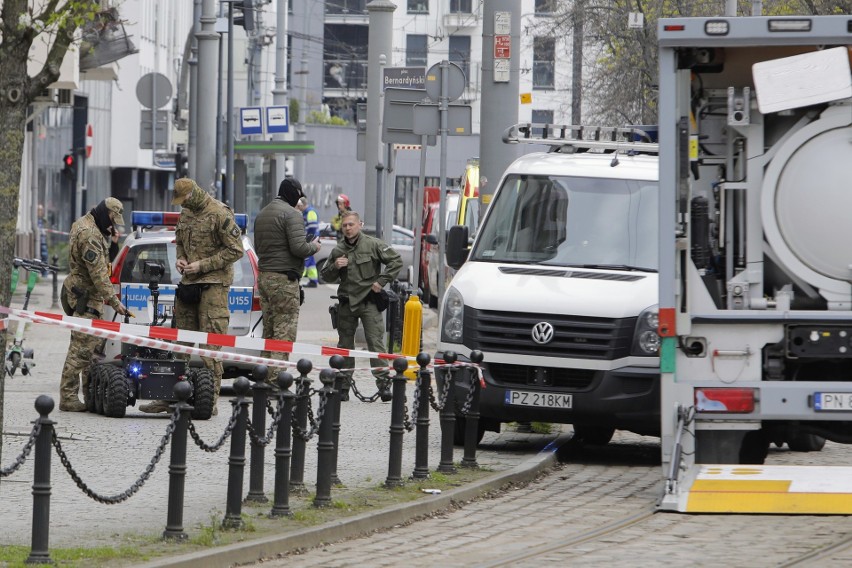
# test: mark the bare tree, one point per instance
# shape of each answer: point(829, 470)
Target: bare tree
point(23, 22)
point(616, 65)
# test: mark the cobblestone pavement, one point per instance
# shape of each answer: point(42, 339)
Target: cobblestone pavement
point(594, 488)
point(109, 454)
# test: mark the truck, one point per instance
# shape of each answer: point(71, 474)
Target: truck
point(755, 304)
point(559, 287)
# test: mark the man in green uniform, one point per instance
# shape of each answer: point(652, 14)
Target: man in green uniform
point(85, 291)
point(208, 244)
point(281, 246)
point(356, 262)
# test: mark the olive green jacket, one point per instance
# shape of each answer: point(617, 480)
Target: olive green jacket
point(366, 258)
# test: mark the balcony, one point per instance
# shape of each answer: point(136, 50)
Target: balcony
point(345, 77)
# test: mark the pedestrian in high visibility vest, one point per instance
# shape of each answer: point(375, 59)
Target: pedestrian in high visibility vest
point(311, 232)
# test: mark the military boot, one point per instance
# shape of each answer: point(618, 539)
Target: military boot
point(72, 405)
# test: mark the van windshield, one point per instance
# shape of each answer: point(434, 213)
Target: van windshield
point(572, 221)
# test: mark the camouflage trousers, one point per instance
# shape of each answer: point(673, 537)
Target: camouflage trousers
point(374, 331)
point(210, 315)
point(81, 355)
point(279, 299)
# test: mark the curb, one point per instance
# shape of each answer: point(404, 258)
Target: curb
point(363, 524)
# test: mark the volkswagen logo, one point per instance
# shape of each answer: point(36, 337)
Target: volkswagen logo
point(542, 333)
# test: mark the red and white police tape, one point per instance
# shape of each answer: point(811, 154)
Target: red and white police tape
point(160, 338)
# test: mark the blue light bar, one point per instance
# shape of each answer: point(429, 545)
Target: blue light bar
point(170, 219)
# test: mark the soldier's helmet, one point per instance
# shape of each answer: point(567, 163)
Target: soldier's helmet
point(116, 212)
point(183, 189)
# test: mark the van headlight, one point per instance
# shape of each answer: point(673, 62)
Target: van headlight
point(452, 328)
point(646, 340)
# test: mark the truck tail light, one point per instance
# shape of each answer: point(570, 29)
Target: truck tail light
point(733, 400)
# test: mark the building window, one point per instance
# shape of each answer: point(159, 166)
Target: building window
point(460, 6)
point(345, 56)
point(346, 7)
point(418, 6)
point(545, 7)
point(416, 50)
point(541, 117)
point(460, 54)
point(544, 61)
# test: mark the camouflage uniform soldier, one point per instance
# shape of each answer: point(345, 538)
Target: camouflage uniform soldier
point(208, 244)
point(279, 240)
point(84, 292)
point(357, 262)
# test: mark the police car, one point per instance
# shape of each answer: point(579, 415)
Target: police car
point(152, 243)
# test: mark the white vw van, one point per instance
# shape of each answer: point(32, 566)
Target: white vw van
point(559, 288)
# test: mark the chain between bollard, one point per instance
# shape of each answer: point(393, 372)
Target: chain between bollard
point(442, 396)
point(315, 425)
point(270, 433)
point(363, 398)
point(232, 423)
point(468, 401)
point(410, 423)
point(137, 485)
point(25, 452)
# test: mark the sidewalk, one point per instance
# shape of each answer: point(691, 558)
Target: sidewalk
point(109, 455)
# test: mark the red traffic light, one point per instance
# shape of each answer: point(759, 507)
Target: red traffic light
point(68, 160)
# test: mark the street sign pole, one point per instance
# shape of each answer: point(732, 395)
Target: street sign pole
point(443, 104)
point(418, 219)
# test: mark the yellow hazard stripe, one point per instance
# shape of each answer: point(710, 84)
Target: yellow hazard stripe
point(762, 496)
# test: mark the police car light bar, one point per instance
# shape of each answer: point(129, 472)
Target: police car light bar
point(170, 219)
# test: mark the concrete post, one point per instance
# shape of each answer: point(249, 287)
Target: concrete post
point(380, 40)
point(192, 137)
point(279, 91)
point(499, 108)
point(205, 143)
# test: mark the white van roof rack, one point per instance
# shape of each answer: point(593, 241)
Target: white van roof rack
point(581, 137)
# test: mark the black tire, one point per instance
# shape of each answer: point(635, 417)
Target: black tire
point(14, 362)
point(460, 428)
point(593, 435)
point(801, 442)
point(116, 392)
point(100, 383)
point(754, 448)
point(203, 393)
point(92, 388)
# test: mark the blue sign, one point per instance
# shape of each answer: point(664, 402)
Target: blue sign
point(138, 297)
point(277, 119)
point(251, 121)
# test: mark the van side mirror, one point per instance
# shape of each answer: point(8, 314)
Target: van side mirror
point(457, 246)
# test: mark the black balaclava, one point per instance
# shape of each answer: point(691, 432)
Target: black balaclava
point(290, 191)
point(102, 218)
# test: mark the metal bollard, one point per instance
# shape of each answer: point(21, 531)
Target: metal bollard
point(177, 464)
point(448, 415)
point(237, 460)
point(325, 445)
point(260, 393)
point(397, 427)
point(297, 465)
point(281, 506)
point(337, 363)
point(471, 433)
point(55, 299)
point(39, 552)
point(421, 453)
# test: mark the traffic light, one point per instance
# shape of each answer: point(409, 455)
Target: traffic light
point(69, 166)
point(247, 19)
point(181, 162)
